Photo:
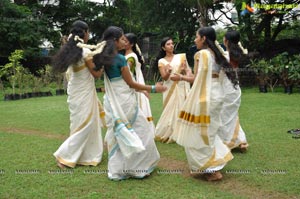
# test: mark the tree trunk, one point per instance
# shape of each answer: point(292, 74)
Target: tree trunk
point(267, 25)
point(203, 13)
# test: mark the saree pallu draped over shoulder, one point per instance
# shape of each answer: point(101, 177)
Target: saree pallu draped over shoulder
point(84, 146)
point(173, 99)
point(176, 63)
point(131, 147)
point(143, 101)
point(199, 120)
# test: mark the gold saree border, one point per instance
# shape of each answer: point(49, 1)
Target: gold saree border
point(170, 93)
point(64, 162)
point(213, 163)
point(172, 88)
point(119, 121)
point(84, 123)
point(72, 164)
point(92, 163)
point(231, 144)
point(197, 119)
point(150, 119)
point(203, 96)
point(77, 69)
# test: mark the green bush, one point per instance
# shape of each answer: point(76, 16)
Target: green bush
point(281, 67)
point(13, 71)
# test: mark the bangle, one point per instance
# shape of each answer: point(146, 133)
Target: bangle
point(153, 89)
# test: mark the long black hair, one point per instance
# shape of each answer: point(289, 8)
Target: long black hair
point(69, 53)
point(235, 52)
point(132, 38)
point(211, 37)
point(106, 57)
point(161, 53)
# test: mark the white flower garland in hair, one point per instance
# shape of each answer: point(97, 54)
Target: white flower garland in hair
point(220, 47)
point(99, 48)
point(83, 45)
point(77, 38)
point(69, 37)
point(139, 51)
point(245, 51)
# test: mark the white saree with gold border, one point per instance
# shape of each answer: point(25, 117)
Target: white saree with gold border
point(173, 99)
point(231, 132)
point(199, 119)
point(131, 148)
point(84, 146)
point(143, 101)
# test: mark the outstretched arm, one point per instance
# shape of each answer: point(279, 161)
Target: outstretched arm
point(133, 84)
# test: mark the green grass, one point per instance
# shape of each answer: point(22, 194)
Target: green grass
point(32, 129)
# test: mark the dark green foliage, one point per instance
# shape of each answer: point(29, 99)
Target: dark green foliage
point(20, 28)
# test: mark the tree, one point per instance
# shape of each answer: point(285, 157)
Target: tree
point(25, 23)
point(60, 14)
point(14, 70)
point(174, 18)
point(19, 29)
point(261, 29)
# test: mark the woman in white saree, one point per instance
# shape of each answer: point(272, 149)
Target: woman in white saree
point(199, 118)
point(131, 148)
point(135, 62)
point(177, 75)
point(84, 146)
point(231, 132)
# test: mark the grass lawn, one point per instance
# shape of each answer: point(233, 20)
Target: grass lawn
point(32, 129)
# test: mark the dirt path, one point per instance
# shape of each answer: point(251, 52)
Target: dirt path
point(33, 132)
point(227, 184)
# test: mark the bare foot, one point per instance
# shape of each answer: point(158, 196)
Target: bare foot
point(170, 141)
point(60, 165)
point(243, 147)
point(214, 176)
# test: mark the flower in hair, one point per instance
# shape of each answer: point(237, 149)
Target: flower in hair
point(245, 51)
point(139, 51)
point(69, 37)
point(99, 48)
point(77, 38)
point(219, 47)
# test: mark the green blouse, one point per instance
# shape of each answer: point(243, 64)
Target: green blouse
point(115, 69)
